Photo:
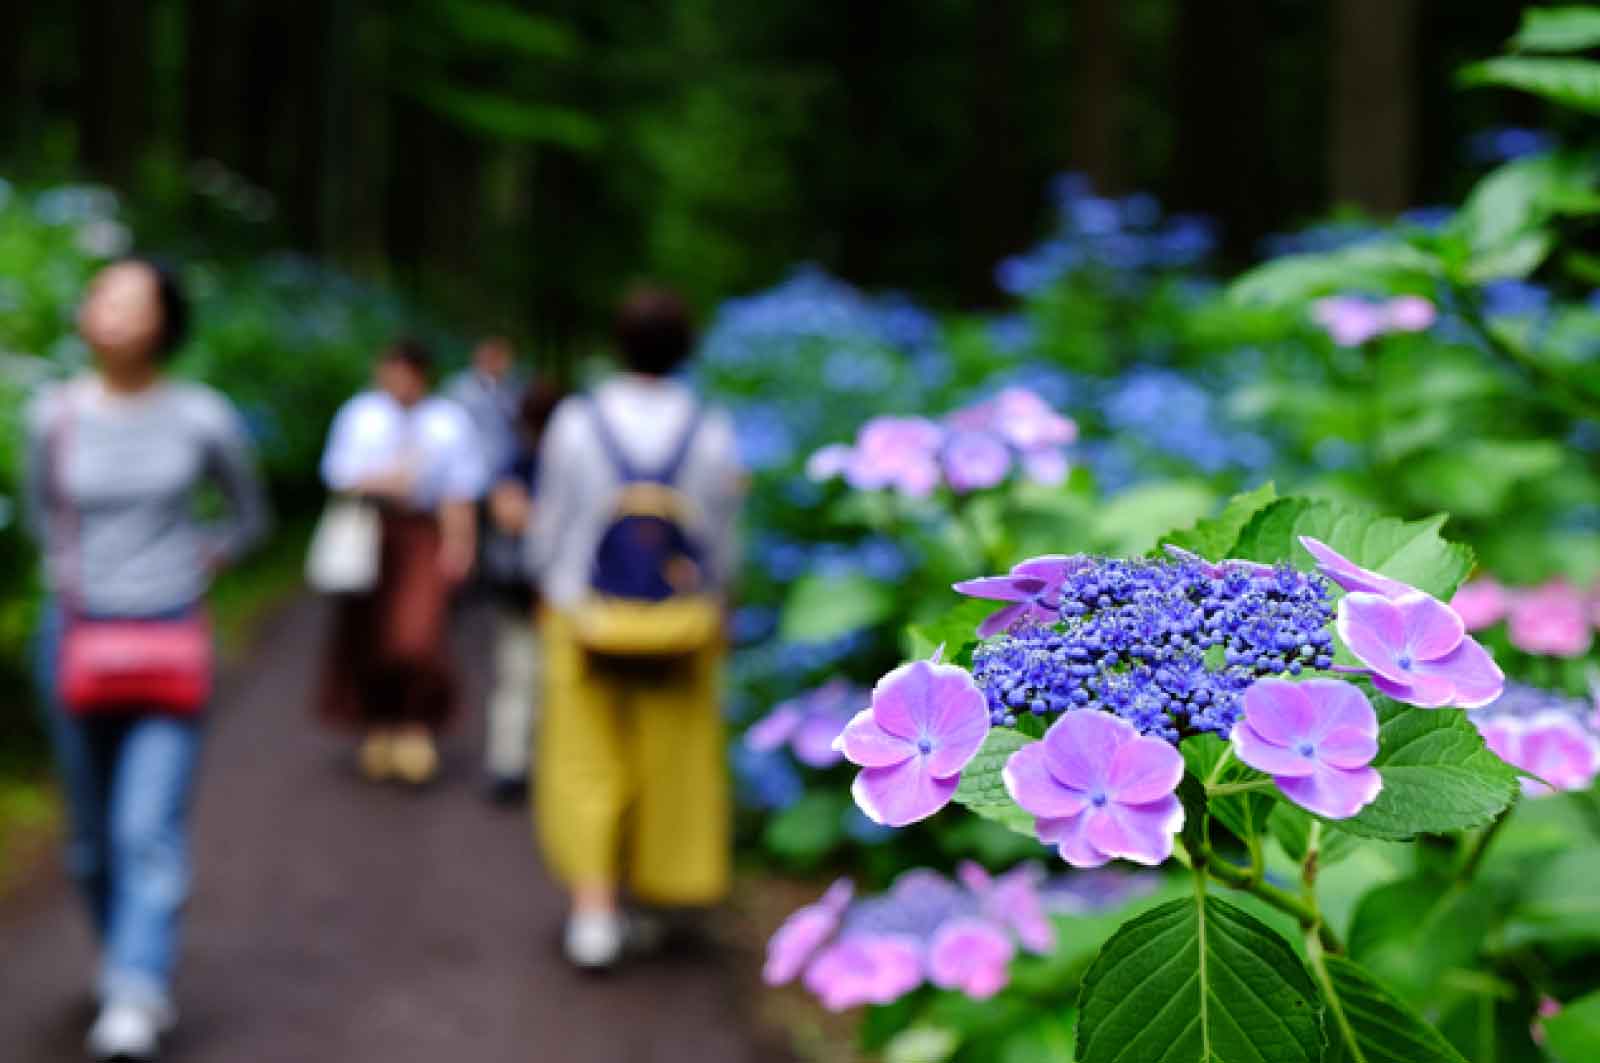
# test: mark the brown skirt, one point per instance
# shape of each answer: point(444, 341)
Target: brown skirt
point(388, 663)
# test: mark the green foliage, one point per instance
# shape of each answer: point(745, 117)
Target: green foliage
point(1438, 776)
point(1558, 29)
point(1213, 538)
point(1410, 551)
point(805, 832)
point(1559, 903)
point(1294, 279)
point(1574, 1033)
point(983, 789)
point(1411, 932)
point(1198, 981)
point(956, 629)
point(822, 607)
point(1571, 83)
point(1385, 1030)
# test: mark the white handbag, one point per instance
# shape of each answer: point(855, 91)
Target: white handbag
point(345, 548)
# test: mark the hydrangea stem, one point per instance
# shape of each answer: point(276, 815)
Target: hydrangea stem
point(1480, 848)
point(1206, 861)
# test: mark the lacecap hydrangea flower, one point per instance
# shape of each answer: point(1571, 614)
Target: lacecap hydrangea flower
point(976, 447)
point(808, 723)
point(1546, 734)
point(960, 935)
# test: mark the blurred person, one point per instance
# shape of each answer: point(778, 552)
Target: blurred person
point(630, 788)
point(388, 672)
point(490, 392)
point(512, 700)
point(115, 460)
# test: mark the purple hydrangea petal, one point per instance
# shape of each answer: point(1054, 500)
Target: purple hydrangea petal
point(1336, 793)
point(900, 700)
point(1079, 747)
point(1267, 756)
point(1558, 750)
point(1002, 619)
point(902, 794)
point(1432, 628)
point(1012, 588)
point(1141, 833)
point(972, 956)
point(1046, 466)
point(796, 941)
point(865, 969)
point(1339, 705)
point(1031, 785)
point(1425, 692)
point(813, 741)
point(957, 721)
point(1474, 677)
point(1144, 770)
point(1050, 569)
point(1015, 901)
point(975, 460)
point(1374, 630)
point(866, 743)
point(1280, 712)
point(774, 729)
point(1068, 836)
point(1345, 747)
point(1349, 575)
point(1504, 739)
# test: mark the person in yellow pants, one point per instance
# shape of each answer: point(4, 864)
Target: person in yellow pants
point(631, 790)
point(632, 785)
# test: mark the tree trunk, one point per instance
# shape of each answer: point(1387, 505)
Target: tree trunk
point(113, 89)
point(996, 204)
point(1374, 103)
point(1095, 103)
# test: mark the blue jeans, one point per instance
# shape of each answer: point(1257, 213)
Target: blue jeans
point(129, 780)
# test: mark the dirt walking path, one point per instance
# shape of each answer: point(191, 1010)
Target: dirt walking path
point(337, 922)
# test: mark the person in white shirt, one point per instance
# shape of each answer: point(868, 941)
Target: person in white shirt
point(416, 457)
point(631, 786)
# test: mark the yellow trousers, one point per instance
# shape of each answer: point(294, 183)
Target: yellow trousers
point(631, 786)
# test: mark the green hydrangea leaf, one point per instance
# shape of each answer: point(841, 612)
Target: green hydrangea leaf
point(1574, 1032)
point(1213, 538)
point(1413, 930)
point(1557, 901)
point(956, 629)
point(822, 607)
point(1385, 1030)
point(982, 788)
point(1438, 776)
point(1410, 551)
point(1198, 980)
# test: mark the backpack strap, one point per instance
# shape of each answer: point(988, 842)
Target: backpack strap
point(626, 470)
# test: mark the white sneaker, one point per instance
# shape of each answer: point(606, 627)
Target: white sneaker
point(129, 1031)
point(594, 939)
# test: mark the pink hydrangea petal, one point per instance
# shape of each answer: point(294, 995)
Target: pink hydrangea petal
point(829, 461)
point(1141, 833)
point(1339, 705)
point(1504, 739)
point(1068, 836)
point(1046, 466)
point(1433, 629)
point(900, 699)
point(971, 955)
point(1480, 604)
point(865, 969)
point(1266, 756)
point(796, 941)
point(1280, 711)
point(1031, 785)
point(902, 794)
point(1143, 770)
point(1079, 747)
point(1015, 901)
point(863, 741)
point(1475, 678)
point(1560, 752)
point(1336, 793)
point(1346, 747)
point(1374, 630)
point(813, 741)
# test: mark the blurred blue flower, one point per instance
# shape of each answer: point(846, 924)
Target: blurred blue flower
point(861, 830)
point(767, 780)
point(1513, 298)
point(763, 435)
point(1502, 144)
point(752, 623)
point(1430, 219)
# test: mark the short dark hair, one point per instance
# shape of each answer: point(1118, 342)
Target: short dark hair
point(174, 305)
point(653, 331)
point(411, 352)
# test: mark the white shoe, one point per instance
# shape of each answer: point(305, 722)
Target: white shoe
point(594, 939)
point(129, 1031)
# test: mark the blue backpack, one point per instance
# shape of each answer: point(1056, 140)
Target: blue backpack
point(649, 588)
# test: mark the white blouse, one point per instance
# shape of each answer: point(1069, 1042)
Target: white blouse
point(373, 435)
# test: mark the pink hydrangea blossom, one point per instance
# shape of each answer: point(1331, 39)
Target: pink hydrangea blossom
point(808, 723)
point(896, 452)
point(1349, 320)
point(803, 933)
point(971, 955)
point(1316, 739)
point(1409, 313)
point(925, 723)
point(1552, 620)
point(1481, 603)
point(975, 460)
point(1013, 900)
point(1418, 650)
point(1033, 588)
point(1351, 576)
point(1551, 745)
point(865, 969)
